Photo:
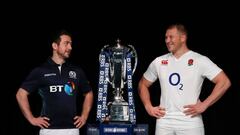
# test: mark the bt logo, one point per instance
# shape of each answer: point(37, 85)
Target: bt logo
point(68, 88)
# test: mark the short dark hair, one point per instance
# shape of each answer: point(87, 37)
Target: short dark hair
point(180, 27)
point(57, 37)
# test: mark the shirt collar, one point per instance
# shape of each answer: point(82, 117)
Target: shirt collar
point(51, 62)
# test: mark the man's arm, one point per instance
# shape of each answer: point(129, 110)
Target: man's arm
point(222, 83)
point(22, 99)
point(143, 90)
point(87, 105)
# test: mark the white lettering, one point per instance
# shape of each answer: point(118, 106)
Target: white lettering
point(56, 88)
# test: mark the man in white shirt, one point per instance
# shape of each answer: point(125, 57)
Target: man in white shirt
point(181, 74)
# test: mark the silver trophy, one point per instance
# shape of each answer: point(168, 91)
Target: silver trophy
point(117, 78)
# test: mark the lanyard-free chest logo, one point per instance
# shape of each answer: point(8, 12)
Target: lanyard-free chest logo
point(72, 74)
point(68, 88)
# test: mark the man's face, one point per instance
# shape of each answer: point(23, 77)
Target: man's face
point(173, 40)
point(65, 46)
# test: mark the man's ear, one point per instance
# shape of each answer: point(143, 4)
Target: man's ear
point(183, 37)
point(54, 46)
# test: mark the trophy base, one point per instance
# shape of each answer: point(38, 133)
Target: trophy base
point(119, 112)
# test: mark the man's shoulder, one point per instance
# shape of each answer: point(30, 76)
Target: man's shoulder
point(72, 65)
point(199, 56)
point(75, 67)
point(164, 56)
point(45, 66)
point(161, 58)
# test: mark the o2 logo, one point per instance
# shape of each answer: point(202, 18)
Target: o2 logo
point(175, 79)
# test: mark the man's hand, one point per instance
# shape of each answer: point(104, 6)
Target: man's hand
point(79, 121)
point(157, 111)
point(41, 122)
point(195, 109)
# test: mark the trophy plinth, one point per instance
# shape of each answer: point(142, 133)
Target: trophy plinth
point(119, 111)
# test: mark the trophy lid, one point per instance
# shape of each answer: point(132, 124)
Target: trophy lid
point(119, 47)
point(118, 43)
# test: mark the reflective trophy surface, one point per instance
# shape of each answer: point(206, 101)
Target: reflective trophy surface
point(117, 72)
point(115, 100)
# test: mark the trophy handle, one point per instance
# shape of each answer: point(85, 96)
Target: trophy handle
point(134, 52)
point(103, 50)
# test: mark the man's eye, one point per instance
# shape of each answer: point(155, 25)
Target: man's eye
point(67, 42)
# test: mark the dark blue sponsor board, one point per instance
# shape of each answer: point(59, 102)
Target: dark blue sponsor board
point(117, 129)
